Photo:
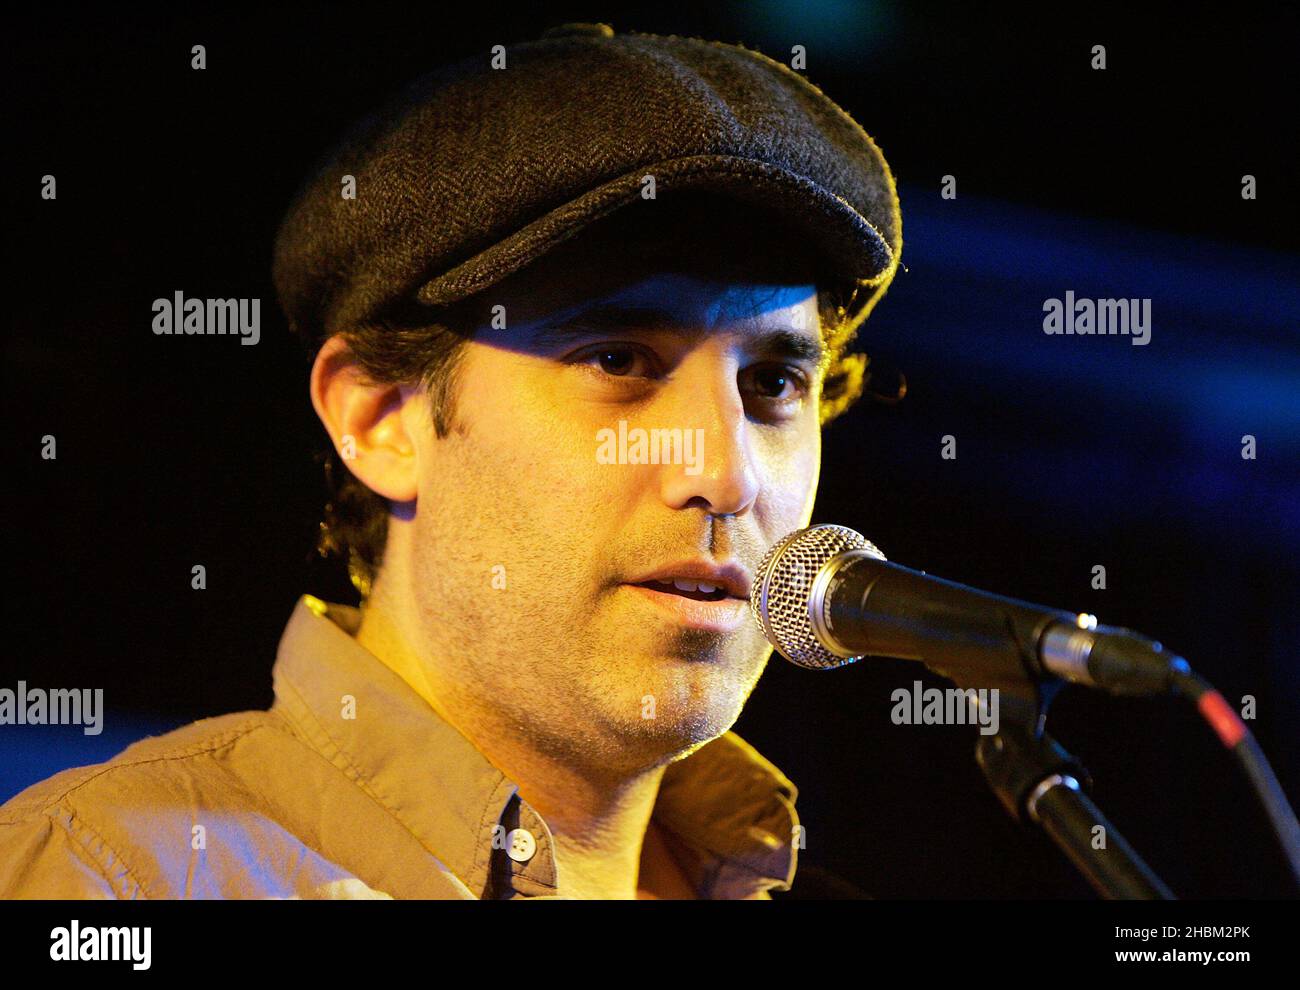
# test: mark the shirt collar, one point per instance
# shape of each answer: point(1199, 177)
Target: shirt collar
point(727, 813)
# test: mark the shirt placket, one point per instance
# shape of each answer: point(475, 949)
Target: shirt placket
point(522, 854)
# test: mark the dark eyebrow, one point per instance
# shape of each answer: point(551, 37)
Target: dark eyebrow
point(790, 345)
point(793, 346)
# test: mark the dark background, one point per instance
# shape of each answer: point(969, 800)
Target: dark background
point(1072, 451)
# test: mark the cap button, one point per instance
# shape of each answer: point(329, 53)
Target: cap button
point(579, 29)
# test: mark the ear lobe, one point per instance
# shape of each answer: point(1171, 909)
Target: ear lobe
point(364, 422)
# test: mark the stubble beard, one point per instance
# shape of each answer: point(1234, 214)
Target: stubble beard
point(607, 705)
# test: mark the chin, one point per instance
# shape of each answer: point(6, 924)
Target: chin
point(692, 714)
point(736, 652)
point(679, 740)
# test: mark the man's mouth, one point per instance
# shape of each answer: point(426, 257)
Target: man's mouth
point(708, 602)
point(700, 591)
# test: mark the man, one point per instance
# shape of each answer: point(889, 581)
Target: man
point(578, 313)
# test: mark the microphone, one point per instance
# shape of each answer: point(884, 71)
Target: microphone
point(825, 596)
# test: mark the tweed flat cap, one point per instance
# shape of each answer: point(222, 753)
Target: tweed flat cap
point(474, 171)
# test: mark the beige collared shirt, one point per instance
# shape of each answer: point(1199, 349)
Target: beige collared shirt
point(303, 801)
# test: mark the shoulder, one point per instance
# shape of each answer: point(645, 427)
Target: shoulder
point(194, 749)
point(129, 827)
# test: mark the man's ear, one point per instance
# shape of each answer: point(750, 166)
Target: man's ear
point(365, 423)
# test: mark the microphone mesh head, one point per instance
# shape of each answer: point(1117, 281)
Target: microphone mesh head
point(782, 589)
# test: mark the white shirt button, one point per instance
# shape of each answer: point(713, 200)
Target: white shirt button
point(520, 845)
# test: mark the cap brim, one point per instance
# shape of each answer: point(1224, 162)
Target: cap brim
point(853, 251)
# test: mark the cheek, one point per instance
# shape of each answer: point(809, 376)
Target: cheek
point(792, 466)
point(546, 426)
point(524, 472)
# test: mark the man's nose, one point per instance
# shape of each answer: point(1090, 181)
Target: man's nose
point(720, 474)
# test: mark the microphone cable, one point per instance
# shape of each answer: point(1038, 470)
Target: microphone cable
point(1239, 741)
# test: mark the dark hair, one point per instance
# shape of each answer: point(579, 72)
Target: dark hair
point(418, 346)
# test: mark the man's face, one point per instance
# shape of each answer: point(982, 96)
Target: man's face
point(534, 539)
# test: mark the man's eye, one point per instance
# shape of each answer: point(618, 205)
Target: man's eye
point(776, 382)
point(619, 361)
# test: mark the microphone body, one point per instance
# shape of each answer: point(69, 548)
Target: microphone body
point(825, 596)
point(863, 605)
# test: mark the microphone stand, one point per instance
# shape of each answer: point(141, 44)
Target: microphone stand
point(1038, 781)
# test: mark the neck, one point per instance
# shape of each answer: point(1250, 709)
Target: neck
point(599, 817)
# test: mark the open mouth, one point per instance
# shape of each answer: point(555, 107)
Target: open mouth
point(687, 589)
